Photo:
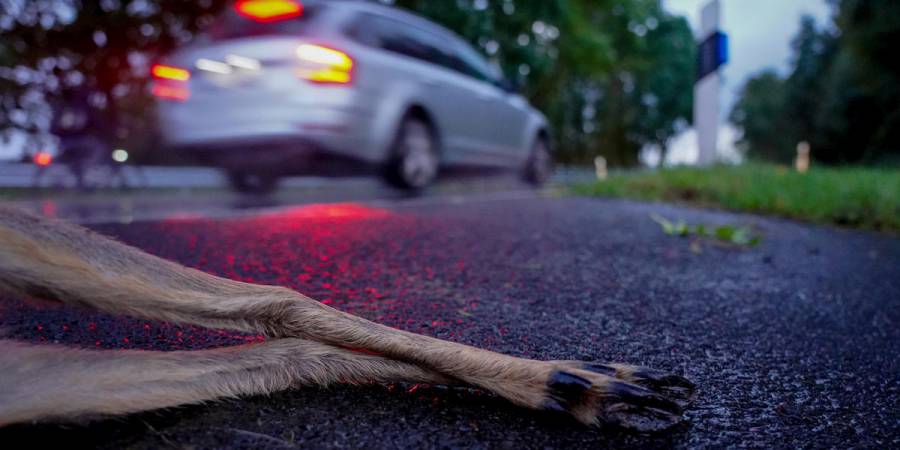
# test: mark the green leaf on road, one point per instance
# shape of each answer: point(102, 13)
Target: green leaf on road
point(732, 234)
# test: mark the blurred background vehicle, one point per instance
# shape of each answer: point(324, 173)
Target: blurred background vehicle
point(284, 87)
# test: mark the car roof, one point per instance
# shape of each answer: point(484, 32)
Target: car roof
point(343, 7)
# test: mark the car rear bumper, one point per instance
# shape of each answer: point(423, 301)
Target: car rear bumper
point(266, 134)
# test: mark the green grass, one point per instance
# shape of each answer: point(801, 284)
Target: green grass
point(854, 197)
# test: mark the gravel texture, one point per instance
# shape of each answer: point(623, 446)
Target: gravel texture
point(793, 343)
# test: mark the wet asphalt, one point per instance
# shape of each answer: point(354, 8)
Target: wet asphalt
point(793, 343)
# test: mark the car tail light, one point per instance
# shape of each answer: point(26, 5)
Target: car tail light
point(268, 10)
point(43, 159)
point(170, 82)
point(324, 65)
point(163, 72)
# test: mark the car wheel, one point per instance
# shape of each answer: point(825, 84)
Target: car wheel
point(252, 183)
point(414, 157)
point(540, 163)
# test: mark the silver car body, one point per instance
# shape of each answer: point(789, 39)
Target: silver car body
point(476, 121)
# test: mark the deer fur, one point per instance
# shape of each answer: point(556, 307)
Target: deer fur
point(307, 343)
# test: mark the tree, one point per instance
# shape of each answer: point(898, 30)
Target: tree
point(49, 48)
point(861, 120)
point(664, 94)
point(805, 87)
point(760, 113)
point(842, 94)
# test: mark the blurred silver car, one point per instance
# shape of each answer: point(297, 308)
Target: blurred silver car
point(278, 86)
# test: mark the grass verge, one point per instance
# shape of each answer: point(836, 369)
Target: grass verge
point(855, 197)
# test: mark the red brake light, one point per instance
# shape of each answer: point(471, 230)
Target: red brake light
point(163, 72)
point(268, 10)
point(324, 65)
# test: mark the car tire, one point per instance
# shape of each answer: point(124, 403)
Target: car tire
point(540, 163)
point(414, 160)
point(252, 182)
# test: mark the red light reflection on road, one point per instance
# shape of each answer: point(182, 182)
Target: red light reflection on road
point(354, 211)
point(48, 208)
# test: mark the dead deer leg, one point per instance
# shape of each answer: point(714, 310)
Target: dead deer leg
point(57, 261)
point(52, 382)
point(630, 396)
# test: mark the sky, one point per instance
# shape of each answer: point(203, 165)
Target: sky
point(760, 33)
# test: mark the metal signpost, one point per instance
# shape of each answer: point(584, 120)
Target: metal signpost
point(712, 54)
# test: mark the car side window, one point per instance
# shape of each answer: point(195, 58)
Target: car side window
point(409, 40)
point(469, 62)
point(398, 37)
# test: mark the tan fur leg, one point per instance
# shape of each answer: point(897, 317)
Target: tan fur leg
point(53, 382)
point(58, 261)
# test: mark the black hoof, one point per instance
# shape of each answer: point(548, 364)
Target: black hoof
point(565, 390)
point(602, 369)
point(675, 387)
point(639, 396)
point(634, 398)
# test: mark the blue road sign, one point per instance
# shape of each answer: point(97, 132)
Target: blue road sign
point(713, 53)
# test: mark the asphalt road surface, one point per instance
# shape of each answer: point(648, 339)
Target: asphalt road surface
point(793, 343)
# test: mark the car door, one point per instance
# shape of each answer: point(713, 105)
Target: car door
point(417, 59)
point(503, 119)
point(454, 98)
point(514, 111)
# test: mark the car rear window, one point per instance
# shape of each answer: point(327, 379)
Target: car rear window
point(232, 25)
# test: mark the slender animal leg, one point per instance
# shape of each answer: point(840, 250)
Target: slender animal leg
point(52, 382)
point(67, 263)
